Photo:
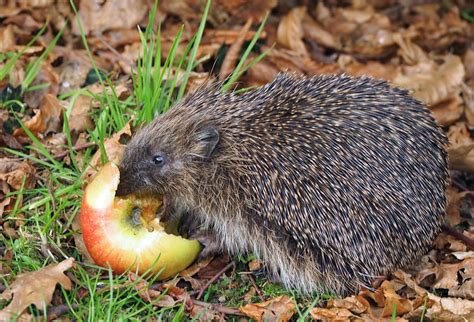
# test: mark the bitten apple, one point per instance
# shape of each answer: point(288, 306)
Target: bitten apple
point(118, 233)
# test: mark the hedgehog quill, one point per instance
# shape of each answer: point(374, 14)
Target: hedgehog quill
point(331, 180)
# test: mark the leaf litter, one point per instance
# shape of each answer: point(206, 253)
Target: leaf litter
point(426, 48)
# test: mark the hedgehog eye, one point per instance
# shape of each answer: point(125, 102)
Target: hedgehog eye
point(159, 159)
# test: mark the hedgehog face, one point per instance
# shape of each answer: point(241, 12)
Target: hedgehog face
point(164, 158)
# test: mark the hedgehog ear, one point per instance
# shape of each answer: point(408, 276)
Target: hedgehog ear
point(207, 140)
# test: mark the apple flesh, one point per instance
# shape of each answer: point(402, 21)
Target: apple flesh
point(119, 234)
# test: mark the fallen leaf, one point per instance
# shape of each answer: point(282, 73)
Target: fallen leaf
point(468, 96)
point(12, 172)
point(233, 53)
point(151, 296)
point(449, 110)
point(461, 148)
point(314, 31)
point(432, 83)
point(47, 75)
point(447, 274)
point(255, 265)
point(196, 267)
point(7, 39)
point(47, 120)
point(79, 119)
point(332, 314)
point(455, 197)
point(280, 308)
point(290, 31)
point(98, 15)
point(35, 288)
point(440, 308)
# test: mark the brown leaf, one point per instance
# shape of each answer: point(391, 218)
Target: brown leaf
point(204, 312)
point(46, 120)
point(79, 119)
point(454, 200)
point(468, 96)
point(468, 60)
point(36, 288)
point(350, 303)
point(432, 83)
point(280, 308)
point(7, 39)
point(461, 148)
point(196, 267)
point(332, 314)
point(255, 265)
point(151, 296)
point(449, 110)
point(214, 267)
point(99, 15)
point(314, 31)
point(386, 300)
point(440, 308)
point(465, 290)
point(447, 241)
point(233, 52)
point(447, 274)
point(290, 31)
point(48, 75)
point(12, 173)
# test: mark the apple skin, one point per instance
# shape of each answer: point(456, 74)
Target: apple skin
point(117, 239)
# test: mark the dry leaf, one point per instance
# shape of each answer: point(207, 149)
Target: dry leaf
point(196, 267)
point(233, 52)
point(280, 308)
point(447, 274)
point(290, 31)
point(432, 83)
point(151, 296)
point(98, 15)
point(255, 265)
point(79, 119)
point(36, 288)
point(449, 110)
point(440, 308)
point(48, 75)
point(455, 197)
point(460, 150)
point(7, 39)
point(314, 31)
point(12, 173)
point(332, 314)
point(468, 61)
point(468, 95)
point(47, 120)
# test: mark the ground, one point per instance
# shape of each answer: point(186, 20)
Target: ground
point(77, 78)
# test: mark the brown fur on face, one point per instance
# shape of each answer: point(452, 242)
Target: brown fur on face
point(331, 180)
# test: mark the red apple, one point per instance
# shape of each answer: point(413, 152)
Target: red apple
point(118, 233)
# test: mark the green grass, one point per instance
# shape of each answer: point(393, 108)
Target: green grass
point(48, 211)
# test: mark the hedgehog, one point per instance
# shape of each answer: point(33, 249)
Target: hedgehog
point(332, 180)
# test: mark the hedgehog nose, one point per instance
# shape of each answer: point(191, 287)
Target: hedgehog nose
point(124, 187)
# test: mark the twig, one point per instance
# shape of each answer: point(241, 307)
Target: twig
point(215, 278)
point(219, 308)
point(259, 292)
point(56, 311)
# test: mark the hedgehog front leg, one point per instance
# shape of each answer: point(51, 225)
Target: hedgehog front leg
point(192, 228)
